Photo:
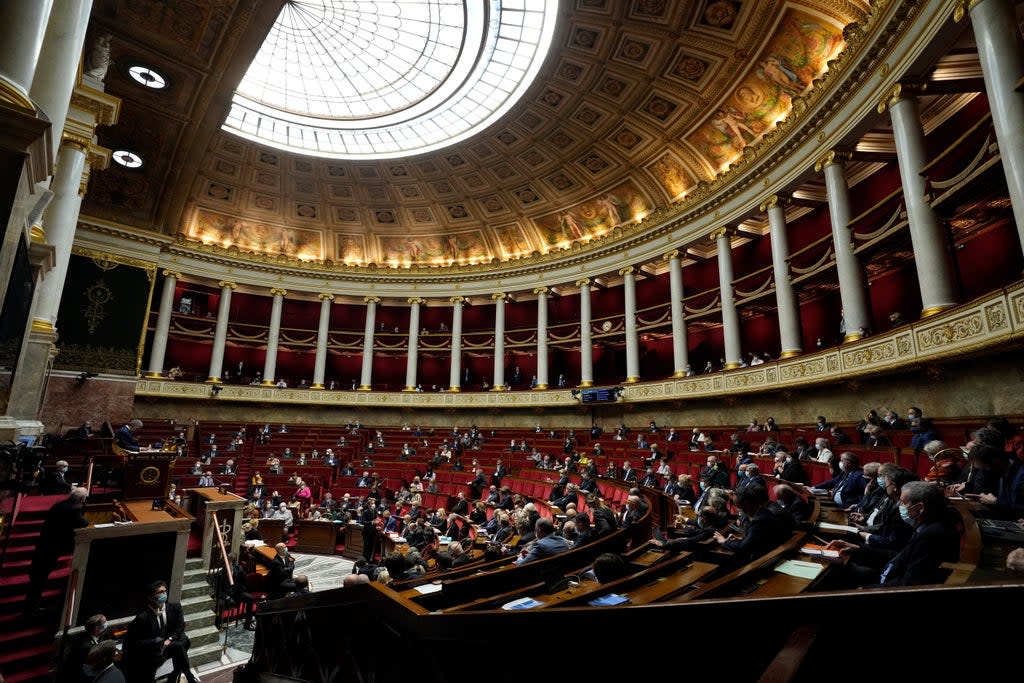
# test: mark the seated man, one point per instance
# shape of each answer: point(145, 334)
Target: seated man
point(206, 480)
point(53, 482)
point(765, 529)
point(125, 436)
point(157, 634)
point(546, 545)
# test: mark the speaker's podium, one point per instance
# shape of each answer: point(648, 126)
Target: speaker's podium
point(131, 543)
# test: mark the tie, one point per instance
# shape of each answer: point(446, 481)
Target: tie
point(163, 622)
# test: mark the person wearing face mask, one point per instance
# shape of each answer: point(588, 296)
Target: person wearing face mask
point(1007, 473)
point(934, 540)
point(947, 463)
point(278, 581)
point(765, 527)
point(54, 483)
point(74, 666)
point(847, 487)
point(102, 659)
point(793, 470)
point(155, 635)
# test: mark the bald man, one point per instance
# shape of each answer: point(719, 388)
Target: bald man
point(279, 579)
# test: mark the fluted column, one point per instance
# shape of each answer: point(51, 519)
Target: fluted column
point(163, 325)
point(60, 54)
point(22, 27)
point(680, 349)
point(786, 303)
point(320, 366)
point(632, 339)
point(931, 252)
point(542, 337)
point(414, 341)
point(999, 50)
point(273, 336)
point(586, 335)
point(366, 376)
point(853, 289)
point(499, 341)
point(730, 318)
point(455, 373)
point(220, 332)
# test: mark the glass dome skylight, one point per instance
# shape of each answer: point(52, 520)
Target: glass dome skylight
point(361, 79)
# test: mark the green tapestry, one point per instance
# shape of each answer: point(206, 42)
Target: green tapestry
point(102, 313)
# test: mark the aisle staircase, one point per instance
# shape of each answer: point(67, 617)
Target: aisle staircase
point(200, 617)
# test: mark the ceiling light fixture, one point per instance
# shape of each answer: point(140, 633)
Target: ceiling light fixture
point(127, 159)
point(147, 76)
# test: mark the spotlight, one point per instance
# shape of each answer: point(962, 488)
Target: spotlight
point(575, 393)
point(86, 375)
point(214, 390)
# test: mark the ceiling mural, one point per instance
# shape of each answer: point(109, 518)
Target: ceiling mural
point(637, 103)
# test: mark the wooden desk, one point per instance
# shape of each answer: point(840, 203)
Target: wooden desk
point(667, 587)
point(353, 541)
point(315, 536)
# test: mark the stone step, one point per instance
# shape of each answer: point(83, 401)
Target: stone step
point(195, 590)
point(202, 636)
point(197, 656)
point(199, 603)
point(201, 619)
point(194, 563)
point(195, 575)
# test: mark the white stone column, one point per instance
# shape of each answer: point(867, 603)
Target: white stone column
point(499, 341)
point(680, 349)
point(220, 334)
point(931, 252)
point(366, 376)
point(853, 286)
point(632, 339)
point(999, 50)
point(273, 336)
point(163, 325)
point(412, 356)
point(586, 335)
point(786, 304)
point(22, 27)
point(730, 317)
point(454, 374)
point(320, 365)
point(542, 337)
point(60, 54)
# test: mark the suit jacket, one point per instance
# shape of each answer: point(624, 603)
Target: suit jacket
point(143, 646)
point(767, 530)
point(918, 563)
point(109, 675)
point(278, 581)
point(125, 439)
point(629, 475)
point(794, 471)
point(545, 547)
point(847, 489)
point(54, 483)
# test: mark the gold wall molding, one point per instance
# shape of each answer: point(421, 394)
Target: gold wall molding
point(107, 257)
point(325, 295)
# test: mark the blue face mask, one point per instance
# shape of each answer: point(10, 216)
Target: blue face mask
point(880, 481)
point(905, 514)
point(64, 469)
point(162, 598)
point(703, 485)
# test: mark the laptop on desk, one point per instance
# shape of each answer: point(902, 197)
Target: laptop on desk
point(1002, 530)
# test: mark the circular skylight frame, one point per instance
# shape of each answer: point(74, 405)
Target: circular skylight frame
point(504, 44)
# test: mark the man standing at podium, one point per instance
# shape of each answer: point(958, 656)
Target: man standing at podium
point(156, 635)
point(125, 436)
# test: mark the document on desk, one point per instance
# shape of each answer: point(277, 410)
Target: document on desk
point(522, 603)
point(828, 526)
point(799, 568)
point(428, 588)
point(609, 600)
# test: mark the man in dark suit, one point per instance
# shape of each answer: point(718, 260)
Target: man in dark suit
point(54, 482)
point(476, 486)
point(155, 635)
point(278, 581)
point(547, 543)
point(628, 473)
point(125, 436)
point(765, 531)
point(848, 488)
point(500, 472)
point(717, 471)
point(74, 667)
point(57, 538)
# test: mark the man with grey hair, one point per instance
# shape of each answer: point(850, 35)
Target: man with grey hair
point(54, 483)
point(546, 545)
point(125, 436)
point(57, 538)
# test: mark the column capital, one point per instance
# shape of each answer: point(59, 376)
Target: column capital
point(775, 201)
point(75, 140)
point(898, 92)
point(833, 156)
point(325, 296)
point(371, 299)
point(628, 270)
point(457, 299)
point(224, 283)
point(172, 273)
point(277, 291)
point(541, 291)
point(414, 300)
point(499, 296)
point(669, 255)
point(585, 282)
point(724, 231)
